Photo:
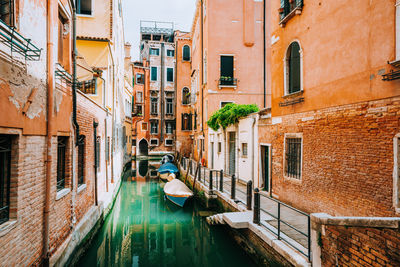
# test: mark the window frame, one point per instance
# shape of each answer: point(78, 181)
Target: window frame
point(91, 9)
point(285, 174)
point(12, 15)
point(396, 172)
point(142, 78)
point(154, 139)
point(6, 176)
point(169, 104)
point(154, 49)
point(168, 122)
point(166, 75)
point(151, 73)
point(286, 71)
point(169, 139)
point(61, 170)
point(183, 53)
point(81, 161)
point(142, 126)
point(187, 98)
point(152, 112)
point(173, 52)
point(245, 148)
point(151, 126)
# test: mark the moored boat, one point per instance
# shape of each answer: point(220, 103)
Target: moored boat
point(166, 169)
point(177, 192)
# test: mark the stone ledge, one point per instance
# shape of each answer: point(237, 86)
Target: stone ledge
point(326, 219)
point(62, 193)
point(6, 227)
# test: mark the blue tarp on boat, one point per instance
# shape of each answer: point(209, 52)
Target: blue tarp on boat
point(168, 168)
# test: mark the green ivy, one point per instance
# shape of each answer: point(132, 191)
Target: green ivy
point(230, 114)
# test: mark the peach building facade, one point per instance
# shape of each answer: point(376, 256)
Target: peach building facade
point(184, 124)
point(227, 48)
point(330, 142)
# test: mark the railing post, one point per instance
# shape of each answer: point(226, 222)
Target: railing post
point(309, 239)
point(249, 194)
point(256, 210)
point(211, 181)
point(233, 187)
point(221, 181)
point(199, 174)
point(279, 221)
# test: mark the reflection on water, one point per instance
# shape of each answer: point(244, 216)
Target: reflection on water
point(144, 229)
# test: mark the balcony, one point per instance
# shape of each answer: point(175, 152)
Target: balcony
point(87, 87)
point(227, 82)
point(17, 43)
point(289, 9)
point(393, 74)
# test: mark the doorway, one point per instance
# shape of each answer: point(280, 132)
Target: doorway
point(232, 153)
point(212, 155)
point(265, 167)
point(143, 148)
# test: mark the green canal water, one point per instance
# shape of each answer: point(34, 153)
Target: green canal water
point(145, 229)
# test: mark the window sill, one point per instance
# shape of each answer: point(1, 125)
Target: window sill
point(6, 227)
point(84, 16)
point(299, 93)
point(292, 179)
point(227, 86)
point(296, 11)
point(62, 193)
point(81, 188)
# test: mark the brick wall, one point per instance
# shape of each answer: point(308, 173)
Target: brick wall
point(347, 161)
point(22, 245)
point(360, 246)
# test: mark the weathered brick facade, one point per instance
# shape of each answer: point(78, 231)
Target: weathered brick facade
point(360, 246)
point(347, 158)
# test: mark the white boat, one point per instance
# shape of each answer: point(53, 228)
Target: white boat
point(177, 192)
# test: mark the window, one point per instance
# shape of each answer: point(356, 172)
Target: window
point(202, 144)
point(144, 126)
point(133, 142)
point(185, 96)
point(84, 7)
point(287, 8)
point(154, 74)
point(61, 158)
point(226, 71)
point(5, 176)
point(186, 53)
point(169, 142)
point(88, 87)
point(293, 157)
point(169, 127)
point(219, 147)
point(169, 106)
point(154, 127)
point(195, 120)
point(223, 104)
point(107, 150)
point(139, 78)
point(139, 97)
point(81, 160)
point(154, 51)
point(61, 22)
point(293, 69)
point(244, 149)
point(170, 53)
point(154, 106)
point(7, 12)
point(396, 172)
point(154, 142)
point(138, 110)
point(186, 122)
point(170, 74)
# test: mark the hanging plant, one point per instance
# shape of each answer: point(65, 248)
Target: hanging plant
point(230, 114)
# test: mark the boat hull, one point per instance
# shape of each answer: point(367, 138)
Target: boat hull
point(177, 200)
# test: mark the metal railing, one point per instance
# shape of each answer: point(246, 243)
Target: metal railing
point(227, 81)
point(289, 6)
point(288, 223)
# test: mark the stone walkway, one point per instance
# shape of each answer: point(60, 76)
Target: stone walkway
point(269, 211)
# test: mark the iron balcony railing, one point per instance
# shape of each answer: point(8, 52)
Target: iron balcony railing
point(227, 81)
point(17, 43)
point(289, 7)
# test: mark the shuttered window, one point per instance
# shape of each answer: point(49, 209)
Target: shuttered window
point(170, 74)
point(154, 74)
point(5, 173)
point(7, 12)
point(186, 53)
point(294, 68)
point(227, 66)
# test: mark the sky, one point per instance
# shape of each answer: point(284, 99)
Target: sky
point(180, 12)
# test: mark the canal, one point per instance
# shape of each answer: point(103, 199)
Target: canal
point(145, 229)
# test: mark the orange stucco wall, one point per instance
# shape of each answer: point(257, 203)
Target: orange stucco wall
point(344, 64)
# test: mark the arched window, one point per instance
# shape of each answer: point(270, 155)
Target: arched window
point(186, 53)
point(293, 71)
point(185, 96)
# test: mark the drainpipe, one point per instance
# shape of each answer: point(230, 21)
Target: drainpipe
point(50, 100)
point(95, 125)
point(162, 94)
point(74, 53)
point(112, 115)
point(202, 69)
point(264, 56)
point(252, 150)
